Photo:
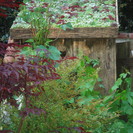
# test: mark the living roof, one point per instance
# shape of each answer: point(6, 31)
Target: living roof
point(84, 13)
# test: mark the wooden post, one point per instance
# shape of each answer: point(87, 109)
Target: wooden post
point(105, 51)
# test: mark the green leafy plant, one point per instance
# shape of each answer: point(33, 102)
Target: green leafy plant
point(40, 16)
point(122, 101)
point(50, 52)
point(71, 105)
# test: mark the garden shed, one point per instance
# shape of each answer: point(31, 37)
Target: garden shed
point(89, 27)
point(97, 43)
point(39, 94)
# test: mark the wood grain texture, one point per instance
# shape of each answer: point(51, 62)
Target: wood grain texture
point(105, 51)
point(93, 32)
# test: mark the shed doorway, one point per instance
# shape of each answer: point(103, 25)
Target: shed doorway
point(124, 42)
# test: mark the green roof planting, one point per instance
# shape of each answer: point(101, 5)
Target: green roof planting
point(81, 13)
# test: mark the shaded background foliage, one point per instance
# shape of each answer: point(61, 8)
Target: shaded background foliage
point(8, 12)
point(125, 15)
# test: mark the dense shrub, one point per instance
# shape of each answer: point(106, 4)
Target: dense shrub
point(71, 103)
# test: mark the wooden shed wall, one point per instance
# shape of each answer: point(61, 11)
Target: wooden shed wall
point(102, 49)
point(97, 43)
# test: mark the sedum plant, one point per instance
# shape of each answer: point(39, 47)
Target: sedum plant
point(82, 13)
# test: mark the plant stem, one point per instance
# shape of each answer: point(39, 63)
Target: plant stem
point(21, 124)
point(25, 104)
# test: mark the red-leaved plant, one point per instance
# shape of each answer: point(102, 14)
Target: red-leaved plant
point(5, 5)
point(22, 77)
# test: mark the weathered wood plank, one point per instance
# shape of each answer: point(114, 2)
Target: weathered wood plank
point(102, 49)
point(92, 32)
point(105, 51)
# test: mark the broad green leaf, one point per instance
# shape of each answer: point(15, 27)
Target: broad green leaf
point(108, 98)
point(123, 75)
point(30, 40)
point(126, 108)
point(131, 94)
point(83, 101)
point(130, 130)
point(130, 100)
point(27, 51)
point(15, 97)
point(116, 85)
point(41, 47)
point(82, 63)
point(54, 53)
point(72, 100)
point(101, 86)
point(66, 26)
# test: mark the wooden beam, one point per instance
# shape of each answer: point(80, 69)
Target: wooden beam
point(89, 32)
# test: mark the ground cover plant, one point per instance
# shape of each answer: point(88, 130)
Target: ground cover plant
point(83, 13)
